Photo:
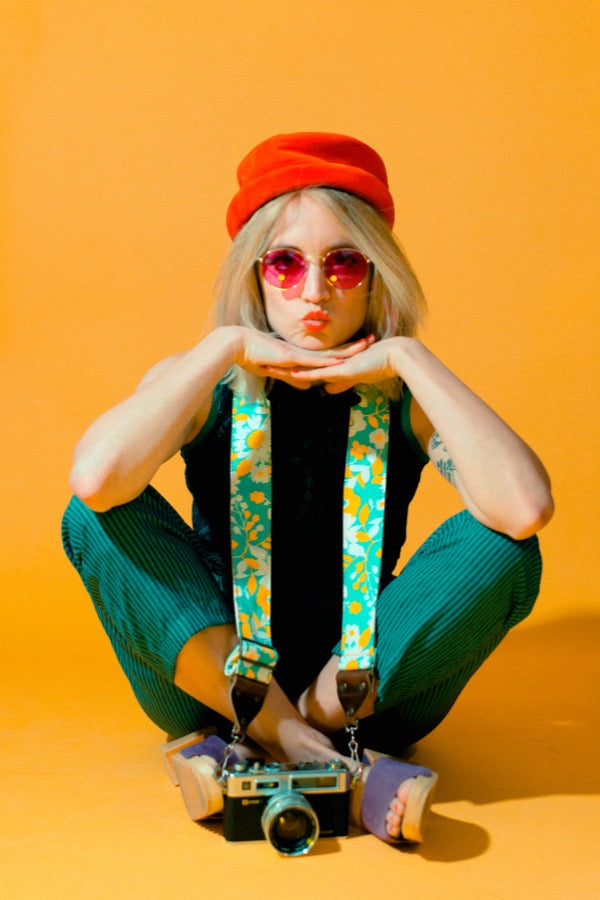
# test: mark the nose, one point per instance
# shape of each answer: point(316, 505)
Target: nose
point(315, 287)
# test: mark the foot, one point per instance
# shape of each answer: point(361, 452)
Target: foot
point(395, 800)
point(395, 810)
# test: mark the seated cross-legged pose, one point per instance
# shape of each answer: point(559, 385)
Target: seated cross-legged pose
point(304, 418)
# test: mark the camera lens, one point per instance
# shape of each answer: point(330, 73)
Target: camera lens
point(290, 824)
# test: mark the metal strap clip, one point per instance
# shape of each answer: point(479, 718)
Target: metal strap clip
point(353, 687)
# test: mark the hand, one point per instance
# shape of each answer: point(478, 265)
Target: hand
point(271, 357)
point(369, 365)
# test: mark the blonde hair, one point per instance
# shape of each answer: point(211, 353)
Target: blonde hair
point(396, 303)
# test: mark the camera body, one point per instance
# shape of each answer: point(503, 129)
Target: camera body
point(290, 805)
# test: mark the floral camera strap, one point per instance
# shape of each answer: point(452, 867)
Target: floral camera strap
point(252, 661)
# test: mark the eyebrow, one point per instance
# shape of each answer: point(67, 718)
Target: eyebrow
point(347, 245)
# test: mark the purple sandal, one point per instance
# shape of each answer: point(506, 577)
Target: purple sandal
point(385, 777)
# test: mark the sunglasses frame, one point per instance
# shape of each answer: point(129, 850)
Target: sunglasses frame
point(314, 259)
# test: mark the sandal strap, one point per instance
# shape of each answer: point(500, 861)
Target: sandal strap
point(380, 788)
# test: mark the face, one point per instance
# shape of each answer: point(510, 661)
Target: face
point(313, 315)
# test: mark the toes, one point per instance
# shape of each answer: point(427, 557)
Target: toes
point(393, 823)
point(393, 818)
point(396, 809)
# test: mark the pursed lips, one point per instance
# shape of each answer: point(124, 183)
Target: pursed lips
point(316, 320)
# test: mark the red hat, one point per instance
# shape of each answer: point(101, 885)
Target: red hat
point(288, 162)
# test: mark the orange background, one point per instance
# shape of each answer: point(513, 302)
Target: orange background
point(123, 123)
point(123, 127)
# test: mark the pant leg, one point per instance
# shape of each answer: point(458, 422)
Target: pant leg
point(143, 568)
point(440, 619)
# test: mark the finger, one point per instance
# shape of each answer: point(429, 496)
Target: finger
point(311, 374)
point(279, 368)
point(356, 347)
point(305, 365)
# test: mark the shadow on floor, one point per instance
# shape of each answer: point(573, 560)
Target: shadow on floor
point(527, 725)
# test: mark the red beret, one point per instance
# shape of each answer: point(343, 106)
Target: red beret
point(288, 162)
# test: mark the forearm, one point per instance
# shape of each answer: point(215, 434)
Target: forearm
point(121, 451)
point(501, 480)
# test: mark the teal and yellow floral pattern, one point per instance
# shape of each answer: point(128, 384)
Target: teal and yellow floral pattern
point(364, 506)
point(250, 513)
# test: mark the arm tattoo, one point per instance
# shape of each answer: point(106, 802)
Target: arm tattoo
point(441, 459)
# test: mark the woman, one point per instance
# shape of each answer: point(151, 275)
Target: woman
point(316, 303)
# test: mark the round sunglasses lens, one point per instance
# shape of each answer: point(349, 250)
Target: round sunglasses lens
point(345, 268)
point(283, 268)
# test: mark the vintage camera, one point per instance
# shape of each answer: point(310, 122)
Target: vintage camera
point(290, 805)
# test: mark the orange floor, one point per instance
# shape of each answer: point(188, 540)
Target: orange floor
point(89, 811)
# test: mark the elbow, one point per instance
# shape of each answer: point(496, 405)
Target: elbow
point(533, 514)
point(91, 489)
point(532, 524)
point(520, 518)
point(103, 482)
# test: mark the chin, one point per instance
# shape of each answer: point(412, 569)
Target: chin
point(312, 342)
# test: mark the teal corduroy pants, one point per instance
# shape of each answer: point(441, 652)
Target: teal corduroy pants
point(437, 621)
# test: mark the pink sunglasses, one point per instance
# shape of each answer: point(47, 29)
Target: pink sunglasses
point(284, 268)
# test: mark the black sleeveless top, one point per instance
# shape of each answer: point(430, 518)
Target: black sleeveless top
point(309, 435)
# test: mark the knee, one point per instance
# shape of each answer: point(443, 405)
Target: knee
point(507, 554)
point(74, 520)
point(79, 521)
point(500, 563)
point(464, 564)
point(464, 532)
point(84, 529)
point(526, 562)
